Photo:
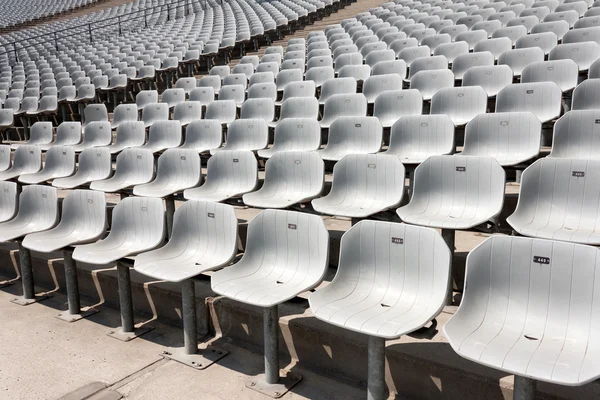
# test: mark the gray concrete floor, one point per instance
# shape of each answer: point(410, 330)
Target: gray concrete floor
point(46, 358)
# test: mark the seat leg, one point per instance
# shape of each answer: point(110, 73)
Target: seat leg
point(72, 283)
point(270, 383)
point(29, 296)
point(190, 355)
point(170, 206)
point(524, 388)
point(127, 330)
point(376, 369)
point(449, 235)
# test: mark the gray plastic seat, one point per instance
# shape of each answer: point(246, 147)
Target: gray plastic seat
point(67, 134)
point(124, 113)
point(220, 70)
point(163, 135)
point(576, 135)
point(583, 53)
point(236, 93)
point(151, 113)
point(587, 95)
point(461, 104)
point(193, 247)
point(94, 164)
point(235, 79)
point(352, 135)
point(410, 54)
point(298, 107)
point(298, 89)
point(8, 200)
point(83, 220)
point(518, 59)
point(382, 289)
point(38, 211)
point(134, 166)
point(94, 112)
point(363, 185)
point(455, 192)
point(60, 162)
point(358, 72)
point(564, 73)
point(261, 108)
point(391, 105)
point(290, 178)
point(338, 105)
point(129, 134)
point(187, 84)
point(273, 271)
point(263, 91)
point(451, 50)
point(224, 111)
point(177, 170)
point(127, 236)
point(344, 59)
point(210, 81)
point(261, 77)
point(544, 99)
point(5, 155)
point(579, 35)
point(246, 134)
point(462, 63)
point(390, 67)
point(229, 174)
point(172, 97)
point(203, 95)
point(295, 134)
point(97, 134)
point(187, 112)
point(27, 159)
point(319, 75)
point(337, 86)
point(428, 82)
point(377, 84)
point(495, 46)
point(544, 40)
point(203, 135)
point(559, 28)
point(145, 97)
point(543, 295)
point(40, 133)
point(511, 138)
point(491, 78)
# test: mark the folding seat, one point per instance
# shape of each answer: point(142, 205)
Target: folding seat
point(359, 72)
point(319, 75)
point(60, 162)
point(559, 28)
point(163, 135)
point(94, 164)
point(461, 104)
point(363, 185)
point(377, 84)
point(511, 138)
point(471, 37)
point(347, 59)
point(323, 61)
point(353, 105)
point(564, 73)
point(430, 81)
point(203, 95)
point(583, 53)
point(246, 134)
point(273, 57)
point(292, 65)
point(154, 112)
point(127, 238)
point(223, 110)
point(290, 178)
point(444, 188)
point(145, 97)
point(134, 166)
point(97, 134)
point(67, 134)
point(298, 107)
point(426, 64)
point(409, 54)
point(352, 135)
point(544, 99)
point(578, 6)
point(261, 77)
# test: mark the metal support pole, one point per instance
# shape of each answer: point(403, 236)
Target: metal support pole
point(170, 206)
point(119, 22)
point(376, 369)
point(524, 388)
point(72, 283)
point(55, 42)
point(90, 33)
point(188, 309)
point(26, 272)
point(271, 328)
point(449, 236)
point(125, 298)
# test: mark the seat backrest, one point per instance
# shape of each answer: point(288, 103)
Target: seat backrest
point(294, 172)
point(300, 107)
point(336, 86)
point(212, 81)
point(8, 200)
point(462, 63)
point(203, 135)
point(583, 53)
point(587, 95)
point(231, 171)
point(145, 97)
point(544, 40)
point(461, 104)
point(350, 135)
point(354, 105)
point(576, 135)
point(377, 84)
point(27, 159)
point(511, 138)
point(165, 134)
point(40, 132)
point(124, 112)
point(222, 110)
point(94, 112)
point(236, 93)
point(181, 166)
point(173, 96)
point(247, 134)
point(416, 137)
point(518, 59)
point(236, 79)
point(38, 206)
point(390, 105)
point(544, 99)
point(492, 78)
point(296, 134)
point(155, 112)
point(559, 28)
point(68, 133)
point(204, 95)
point(319, 75)
point(60, 160)
point(187, 111)
point(98, 133)
point(564, 73)
point(131, 134)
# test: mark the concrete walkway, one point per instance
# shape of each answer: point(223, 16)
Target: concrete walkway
point(46, 358)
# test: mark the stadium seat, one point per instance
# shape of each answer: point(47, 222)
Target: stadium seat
point(134, 166)
point(27, 159)
point(541, 98)
point(246, 134)
point(94, 164)
point(461, 104)
point(59, 163)
point(164, 134)
point(352, 135)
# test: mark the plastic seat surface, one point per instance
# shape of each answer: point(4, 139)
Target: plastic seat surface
point(391, 280)
point(94, 164)
point(38, 211)
point(83, 220)
point(203, 135)
point(577, 135)
point(229, 174)
point(8, 200)
point(27, 160)
point(352, 135)
point(177, 170)
point(134, 166)
point(544, 318)
point(60, 162)
point(363, 185)
point(444, 192)
point(129, 134)
point(544, 99)
point(294, 134)
point(287, 253)
point(290, 178)
point(204, 238)
point(138, 225)
point(461, 104)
